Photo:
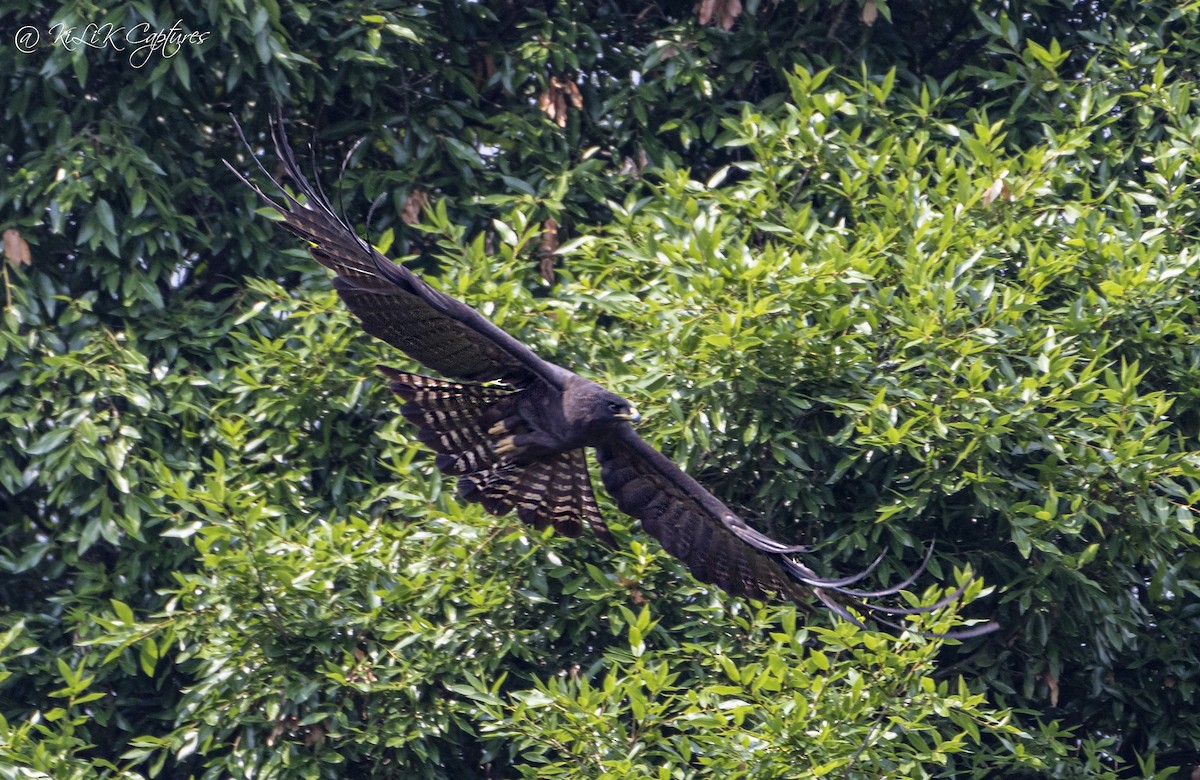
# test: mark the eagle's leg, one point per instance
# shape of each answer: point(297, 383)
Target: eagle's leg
point(507, 425)
point(514, 438)
point(526, 445)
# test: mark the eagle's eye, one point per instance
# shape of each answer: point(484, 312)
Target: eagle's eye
point(623, 411)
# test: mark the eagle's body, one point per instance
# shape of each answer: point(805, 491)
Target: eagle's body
point(514, 428)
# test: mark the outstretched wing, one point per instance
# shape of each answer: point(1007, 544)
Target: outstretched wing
point(717, 546)
point(453, 339)
point(393, 303)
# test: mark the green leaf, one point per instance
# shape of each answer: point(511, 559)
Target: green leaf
point(507, 234)
point(123, 611)
point(49, 441)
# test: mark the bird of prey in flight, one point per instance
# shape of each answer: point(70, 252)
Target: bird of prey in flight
point(514, 429)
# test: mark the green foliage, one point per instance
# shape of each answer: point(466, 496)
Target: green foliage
point(811, 702)
point(872, 283)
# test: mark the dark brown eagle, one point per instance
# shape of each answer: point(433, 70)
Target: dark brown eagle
point(513, 428)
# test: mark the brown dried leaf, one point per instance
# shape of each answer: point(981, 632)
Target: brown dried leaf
point(553, 105)
point(548, 104)
point(1052, 684)
point(560, 108)
point(546, 248)
point(549, 243)
point(729, 14)
point(413, 206)
point(546, 269)
point(574, 94)
point(870, 13)
point(721, 12)
point(16, 250)
point(553, 102)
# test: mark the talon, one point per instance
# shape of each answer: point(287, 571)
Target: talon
point(498, 428)
point(505, 446)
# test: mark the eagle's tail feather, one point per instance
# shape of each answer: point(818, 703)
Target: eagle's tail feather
point(452, 417)
point(551, 491)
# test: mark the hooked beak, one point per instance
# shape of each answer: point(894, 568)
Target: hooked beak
point(632, 415)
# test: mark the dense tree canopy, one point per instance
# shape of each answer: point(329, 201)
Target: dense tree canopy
point(874, 272)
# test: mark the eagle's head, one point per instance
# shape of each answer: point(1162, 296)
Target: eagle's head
point(591, 406)
point(618, 408)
